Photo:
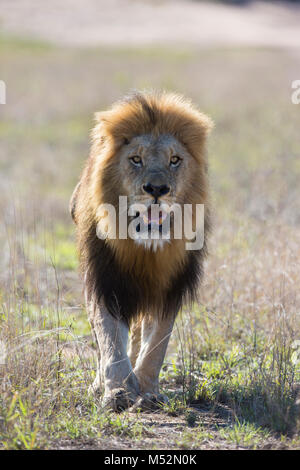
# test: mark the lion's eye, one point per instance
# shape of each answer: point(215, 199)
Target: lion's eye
point(136, 160)
point(175, 161)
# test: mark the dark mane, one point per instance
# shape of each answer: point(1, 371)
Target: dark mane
point(125, 294)
point(133, 281)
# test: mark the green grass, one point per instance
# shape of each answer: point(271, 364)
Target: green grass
point(232, 372)
point(244, 434)
point(55, 248)
point(240, 435)
point(68, 416)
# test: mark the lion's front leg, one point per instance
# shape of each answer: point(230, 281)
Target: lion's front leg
point(120, 383)
point(135, 341)
point(154, 342)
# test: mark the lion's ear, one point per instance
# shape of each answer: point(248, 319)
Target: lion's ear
point(105, 128)
point(99, 130)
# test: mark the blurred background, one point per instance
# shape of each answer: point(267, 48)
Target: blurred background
point(236, 60)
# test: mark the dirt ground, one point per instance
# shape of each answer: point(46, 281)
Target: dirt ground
point(134, 22)
point(166, 433)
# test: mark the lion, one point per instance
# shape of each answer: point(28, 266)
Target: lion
point(149, 147)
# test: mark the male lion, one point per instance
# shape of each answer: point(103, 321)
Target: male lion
point(149, 147)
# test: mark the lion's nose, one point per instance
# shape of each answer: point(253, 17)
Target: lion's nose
point(156, 191)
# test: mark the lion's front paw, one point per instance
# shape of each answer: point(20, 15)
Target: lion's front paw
point(149, 402)
point(118, 399)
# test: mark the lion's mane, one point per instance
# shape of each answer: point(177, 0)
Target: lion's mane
point(130, 279)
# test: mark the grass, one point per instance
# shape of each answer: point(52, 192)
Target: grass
point(25, 427)
point(232, 370)
point(240, 435)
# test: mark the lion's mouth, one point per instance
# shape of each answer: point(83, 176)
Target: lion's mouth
point(152, 219)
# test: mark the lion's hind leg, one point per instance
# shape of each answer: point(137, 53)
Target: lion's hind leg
point(155, 337)
point(135, 340)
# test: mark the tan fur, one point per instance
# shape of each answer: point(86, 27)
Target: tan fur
point(175, 116)
point(155, 114)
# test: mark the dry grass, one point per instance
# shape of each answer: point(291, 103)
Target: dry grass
point(235, 357)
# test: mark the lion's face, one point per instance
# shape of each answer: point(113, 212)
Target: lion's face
point(150, 149)
point(155, 172)
point(153, 169)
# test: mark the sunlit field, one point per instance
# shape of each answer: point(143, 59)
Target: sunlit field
point(232, 369)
